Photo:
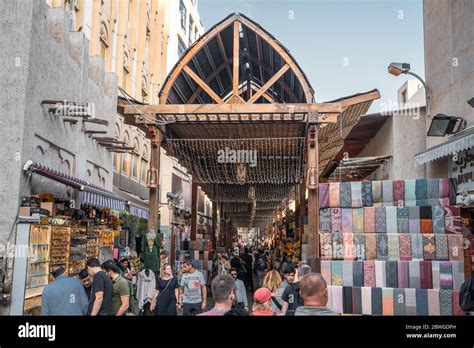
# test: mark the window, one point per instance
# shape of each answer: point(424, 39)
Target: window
point(135, 160)
point(181, 47)
point(182, 12)
point(124, 79)
point(144, 169)
point(117, 161)
point(404, 97)
point(103, 41)
point(126, 163)
point(190, 31)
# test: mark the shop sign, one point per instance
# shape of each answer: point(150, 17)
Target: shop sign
point(462, 169)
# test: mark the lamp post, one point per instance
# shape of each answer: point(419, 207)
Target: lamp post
point(404, 68)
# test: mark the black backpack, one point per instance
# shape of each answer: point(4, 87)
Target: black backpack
point(297, 301)
point(465, 297)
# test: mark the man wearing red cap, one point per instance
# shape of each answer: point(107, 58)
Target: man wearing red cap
point(263, 303)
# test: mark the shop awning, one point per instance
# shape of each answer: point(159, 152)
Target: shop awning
point(91, 194)
point(459, 142)
point(138, 206)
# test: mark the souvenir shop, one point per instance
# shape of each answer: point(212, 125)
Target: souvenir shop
point(393, 247)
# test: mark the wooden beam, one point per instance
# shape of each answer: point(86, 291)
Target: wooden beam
point(236, 58)
point(268, 84)
point(224, 55)
point(362, 98)
point(203, 85)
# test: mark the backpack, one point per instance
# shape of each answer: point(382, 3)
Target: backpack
point(297, 301)
point(465, 297)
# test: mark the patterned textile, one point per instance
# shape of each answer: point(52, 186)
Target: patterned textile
point(410, 300)
point(410, 193)
point(326, 271)
point(380, 274)
point(377, 192)
point(336, 273)
point(444, 201)
point(399, 301)
point(414, 274)
point(334, 195)
point(438, 219)
point(356, 194)
point(345, 198)
point(458, 274)
point(377, 301)
point(414, 219)
point(356, 300)
point(433, 302)
point(445, 275)
point(325, 240)
point(452, 219)
point(426, 226)
point(337, 299)
point(433, 188)
point(347, 273)
point(417, 246)
point(446, 302)
point(387, 192)
point(443, 188)
point(369, 220)
point(391, 274)
point(367, 301)
point(393, 246)
point(429, 247)
point(421, 189)
point(370, 246)
point(347, 298)
point(455, 247)
point(359, 247)
point(358, 220)
point(387, 301)
point(456, 308)
point(380, 220)
point(405, 246)
point(441, 242)
point(421, 302)
point(323, 195)
point(346, 220)
point(426, 277)
point(325, 220)
point(402, 274)
point(336, 220)
point(369, 273)
point(348, 242)
point(382, 246)
point(402, 220)
point(391, 219)
point(398, 191)
point(358, 273)
point(367, 194)
point(435, 274)
point(337, 246)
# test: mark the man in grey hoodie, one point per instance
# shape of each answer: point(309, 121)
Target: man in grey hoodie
point(314, 291)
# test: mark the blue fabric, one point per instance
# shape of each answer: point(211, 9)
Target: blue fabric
point(376, 301)
point(421, 302)
point(421, 189)
point(358, 269)
point(345, 196)
point(367, 194)
point(56, 299)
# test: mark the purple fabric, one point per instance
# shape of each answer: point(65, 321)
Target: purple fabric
point(403, 279)
point(323, 195)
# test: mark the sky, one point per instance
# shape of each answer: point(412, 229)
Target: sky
point(343, 46)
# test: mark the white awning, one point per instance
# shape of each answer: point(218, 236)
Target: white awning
point(459, 142)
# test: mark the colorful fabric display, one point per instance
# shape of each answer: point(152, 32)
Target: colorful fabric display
point(414, 274)
point(380, 274)
point(445, 275)
point(410, 193)
point(358, 273)
point(441, 243)
point(377, 192)
point(337, 246)
point(426, 225)
point(367, 194)
point(417, 246)
point(387, 192)
point(446, 302)
point(429, 247)
point(438, 219)
point(334, 195)
point(443, 188)
point(347, 298)
point(382, 246)
point(391, 274)
point(393, 246)
point(452, 219)
point(402, 220)
point(326, 246)
point(380, 220)
point(405, 246)
point(356, 194)
point(410, 301)
point(421, 192)
point(369, 220)
point(369, 273)
point(435, 274)
point(323, 195)
point(458, 274)
point(421, 302)
point(370, 246)
point(345, 197)
point(426, 277)
point(346, 220)
point(402, 274)
point(356, 300)
point(348, 242)
point(398, 191)
point(359, 247)
point(358, 220)
point(433, 191)
point(336, 273)
point(367, 301)
point(414, 219)
point(399, 302)
point(347, 273)
point(387, 301)
point(377, 301)
point(444, 202)
point(455, 247)
point(456, 308)
point(326, 271)
point(325, 220)
point(433, 302)
point(391, 219)
point(337, 299)
point(336, 220)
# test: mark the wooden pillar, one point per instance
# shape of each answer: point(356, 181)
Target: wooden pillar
point(301, 210)
point(214, 223)
point(313, 198)
point(156, 137)
point(222, 225)
point(194, 210)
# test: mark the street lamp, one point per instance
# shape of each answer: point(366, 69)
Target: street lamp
point(404, 68)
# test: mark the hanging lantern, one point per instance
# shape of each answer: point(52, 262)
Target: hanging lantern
point(312, 179)
point(152, 177)
point(241, 173)
point(251, 195)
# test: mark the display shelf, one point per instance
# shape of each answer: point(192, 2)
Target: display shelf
point(34, 292)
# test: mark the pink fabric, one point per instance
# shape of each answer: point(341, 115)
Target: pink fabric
point(455, 247)
point(323, 195)
point(348, 242)
point(433, 302)
point(402, 273)
point(456, 309)
point(398, 191)
point(443, 188)
point(405, 246)
point(336, 220)
point(444, 202)
point(369, 273)
point(369, 220)
point(334, 195)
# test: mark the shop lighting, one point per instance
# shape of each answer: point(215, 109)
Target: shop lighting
point(442, 125)
point(471, 102)
point(152, 178)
